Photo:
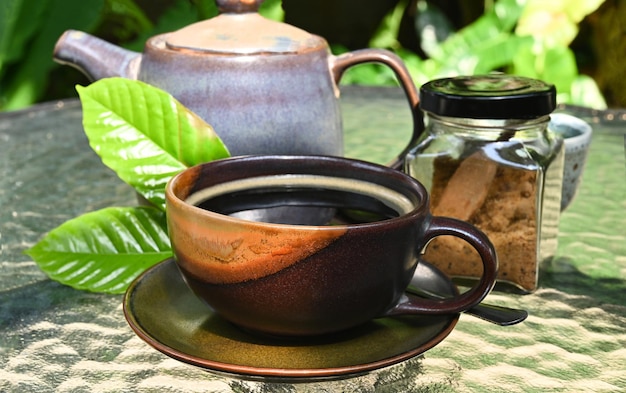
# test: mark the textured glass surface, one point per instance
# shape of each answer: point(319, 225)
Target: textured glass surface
point(56, 339)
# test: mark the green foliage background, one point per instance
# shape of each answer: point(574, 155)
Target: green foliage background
point(576, 44)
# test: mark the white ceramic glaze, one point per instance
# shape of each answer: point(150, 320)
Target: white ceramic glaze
point(576, 135)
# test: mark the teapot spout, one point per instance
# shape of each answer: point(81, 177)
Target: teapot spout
point(95, 57)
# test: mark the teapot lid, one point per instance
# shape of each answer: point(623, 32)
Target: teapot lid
point(239, 29)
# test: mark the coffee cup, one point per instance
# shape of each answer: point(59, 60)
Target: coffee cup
point(297, 279)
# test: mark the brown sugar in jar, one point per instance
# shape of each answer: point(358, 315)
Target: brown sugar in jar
point(508, 218)
point(502, 175)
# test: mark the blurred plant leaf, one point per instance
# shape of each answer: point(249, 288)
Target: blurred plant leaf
point(19, 22)
point(180, 14)
point(556, 65)
point(105, 250)
point(488, 44)
point(144, 134)
point(421, 70)
point(272, 9)
point(206, 9)
point(9, 15)
point(125, 19)
point(432, 26)
point(371, 74)
point(500, 52)
point(483, 46)
point(24, 84)
point(487, 31)
point(556, 21)
point(585, 92)
point(386, 34)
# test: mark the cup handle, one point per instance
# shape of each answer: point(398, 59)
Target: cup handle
point(339, 64)
point(440, 226)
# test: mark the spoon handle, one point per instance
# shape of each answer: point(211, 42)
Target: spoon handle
point(499, 315)
point(503, 316)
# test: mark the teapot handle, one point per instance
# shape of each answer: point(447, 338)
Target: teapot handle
point(339, 64)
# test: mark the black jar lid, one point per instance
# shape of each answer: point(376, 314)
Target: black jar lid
point(495, 96)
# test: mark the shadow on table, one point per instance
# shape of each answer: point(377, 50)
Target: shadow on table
point(32, 302)
point(560, 273)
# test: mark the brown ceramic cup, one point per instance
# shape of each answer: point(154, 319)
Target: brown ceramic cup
point(294, 279)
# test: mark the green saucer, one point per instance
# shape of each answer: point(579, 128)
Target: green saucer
point(164, 312)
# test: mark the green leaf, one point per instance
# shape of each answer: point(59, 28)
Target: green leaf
point(386, 34)
point(559, 67)
point(105, 250)
point(19, 20)
point(128, 19)
point(499, 52)
point(585, 92)
point(144, 134)
point(180, 13)
point(206, 9)
point(485, 30)
point(555, 22)
point(272, 9)
point(556, 65)
point(432, 26)
point(25, 83)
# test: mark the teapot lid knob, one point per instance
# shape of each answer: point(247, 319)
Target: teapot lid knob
point(238, 6)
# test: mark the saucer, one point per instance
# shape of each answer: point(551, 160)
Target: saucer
point(163, 311)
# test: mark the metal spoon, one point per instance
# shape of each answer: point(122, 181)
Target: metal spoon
point(503, 316)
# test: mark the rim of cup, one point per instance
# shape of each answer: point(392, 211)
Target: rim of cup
point(582, 128)
point(413, 201)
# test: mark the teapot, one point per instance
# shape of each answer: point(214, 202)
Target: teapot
point(266, 87)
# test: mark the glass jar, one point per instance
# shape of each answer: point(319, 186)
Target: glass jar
point(488, 157)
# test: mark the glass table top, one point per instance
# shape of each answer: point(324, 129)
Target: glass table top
point(57, 339)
